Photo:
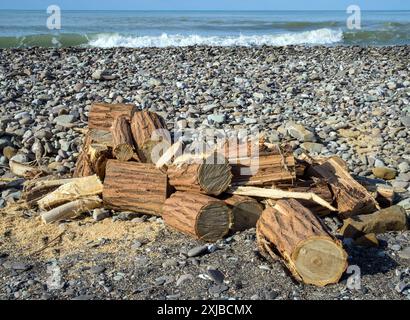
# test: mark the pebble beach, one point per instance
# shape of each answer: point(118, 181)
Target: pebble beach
point(349, 101)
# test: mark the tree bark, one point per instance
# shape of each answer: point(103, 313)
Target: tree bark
point(197, 215)
point(211, 175)
point(144, 126)
point(77, 188)
point(245, 211)
point(351, 197)
point(137, 187)
point(266, 170)
point(71, 209)
point(123, 145)
point(294, 233)
point(102, 115)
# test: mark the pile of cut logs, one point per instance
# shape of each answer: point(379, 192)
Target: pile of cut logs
point(284, 198)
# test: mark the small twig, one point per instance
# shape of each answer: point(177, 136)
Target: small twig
point(48, 244)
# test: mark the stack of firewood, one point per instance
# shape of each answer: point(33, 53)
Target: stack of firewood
point(209, 195)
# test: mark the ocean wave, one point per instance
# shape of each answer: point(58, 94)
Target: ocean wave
point(314, 37)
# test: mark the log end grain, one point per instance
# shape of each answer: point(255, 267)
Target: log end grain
point(319, 261)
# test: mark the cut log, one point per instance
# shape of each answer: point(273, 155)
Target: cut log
point(266, 170)
point(98, 155)
point(148, 129)
point(279, 194)
point(389, 219)
point(197, 215)
point(102, 115)
point(71, 209)
point(293, 232)
point(78, 188)
point(137, 187)
point(245, 212)
point(211, 175)
point(123, 145)
point(351, 197)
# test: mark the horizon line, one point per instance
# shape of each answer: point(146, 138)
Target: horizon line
point(201, 10)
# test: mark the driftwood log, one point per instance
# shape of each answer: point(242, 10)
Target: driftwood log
point(294, 233)
point(133, 186)
point(148, 130)
point(102, 115)
point(351, 197)
point(123, 145)
point(73, 190)
point(245, 212)
point(71, 209)
point(210, 175)
point(197, 215)
point(389, 219)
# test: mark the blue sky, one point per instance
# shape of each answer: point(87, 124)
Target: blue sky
point(207, 4)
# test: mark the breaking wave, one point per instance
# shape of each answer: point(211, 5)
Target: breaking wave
point(314, 37)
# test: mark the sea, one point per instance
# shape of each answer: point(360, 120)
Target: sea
point(136, 29)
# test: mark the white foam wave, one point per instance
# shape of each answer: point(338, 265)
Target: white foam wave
point(314, 37)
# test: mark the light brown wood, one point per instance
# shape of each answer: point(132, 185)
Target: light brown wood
point(200, 216)
point(96, 150)
point(34, 190)
point(123, 145)
point(71, 209)
point(137, 187)
point(210, 175)
point(265, 170)
point(77, 188)
point(245, 211)
point(351, 197)
point(279, 194)
point(291, 231)
point(102, 115)
point(147, 131)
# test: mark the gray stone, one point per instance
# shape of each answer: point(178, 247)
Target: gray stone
point(184, 278)
point(217, 118)
point(395, 247)
point(64, 120)
point(100, 214)
point(197, 251)
point(299, 132)
point(84, 297)
point(18, 266)
point(216, 275)
point(404, 167)
point(405, 253)
point(312, 147)
point(405, 121)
